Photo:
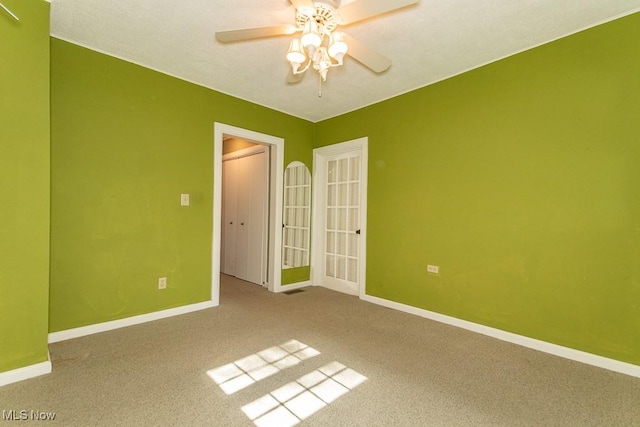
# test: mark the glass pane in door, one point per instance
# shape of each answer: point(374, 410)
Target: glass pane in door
point(342, 222)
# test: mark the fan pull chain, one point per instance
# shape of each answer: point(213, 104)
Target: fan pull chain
point(319, 86)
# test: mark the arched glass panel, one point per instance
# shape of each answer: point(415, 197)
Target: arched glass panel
point(296, 216)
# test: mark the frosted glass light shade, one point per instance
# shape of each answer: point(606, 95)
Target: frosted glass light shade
point(311, 38)
point(324, 64)
point(296, 55)
point(337, 47)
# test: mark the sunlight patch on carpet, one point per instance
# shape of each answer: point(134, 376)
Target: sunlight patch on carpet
point(240, 374)
point(298, 400)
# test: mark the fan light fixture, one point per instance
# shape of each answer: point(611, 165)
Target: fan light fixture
point(319, 47)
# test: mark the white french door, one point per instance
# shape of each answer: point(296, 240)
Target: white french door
point(340, 216)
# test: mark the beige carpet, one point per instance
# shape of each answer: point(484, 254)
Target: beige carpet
point(418, 372)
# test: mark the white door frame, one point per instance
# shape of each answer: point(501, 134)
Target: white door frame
point(318, 209)
point(275, 203)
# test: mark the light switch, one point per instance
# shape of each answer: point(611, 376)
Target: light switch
point(184, 200)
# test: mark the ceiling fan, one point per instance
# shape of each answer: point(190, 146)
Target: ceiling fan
point(320, 46)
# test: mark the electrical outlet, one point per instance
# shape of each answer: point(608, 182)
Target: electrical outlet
point(434, 269)
point(162, 283)
point(184, 200)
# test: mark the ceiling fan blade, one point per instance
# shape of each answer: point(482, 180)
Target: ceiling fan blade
point(366, 56)
point(294, 78)
point(363, 9)
point(303, 4)
point(254, 33)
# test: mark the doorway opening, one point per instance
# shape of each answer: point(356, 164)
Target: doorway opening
point(272, 250)
point(244, 245)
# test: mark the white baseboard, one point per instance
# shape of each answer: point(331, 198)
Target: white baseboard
point(25, 373)
point(128, 321)
point(292, 286)
point(546, 347)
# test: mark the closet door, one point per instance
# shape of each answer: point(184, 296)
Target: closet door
point(230, 176)
point(252, 218)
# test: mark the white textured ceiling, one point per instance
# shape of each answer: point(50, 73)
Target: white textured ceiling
point(427, 42)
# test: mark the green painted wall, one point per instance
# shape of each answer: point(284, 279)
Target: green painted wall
point(24, 183)
point(520, 180)
point(126, 142)
point(295, 275)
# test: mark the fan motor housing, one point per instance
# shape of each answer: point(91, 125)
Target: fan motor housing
point(324, 14)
